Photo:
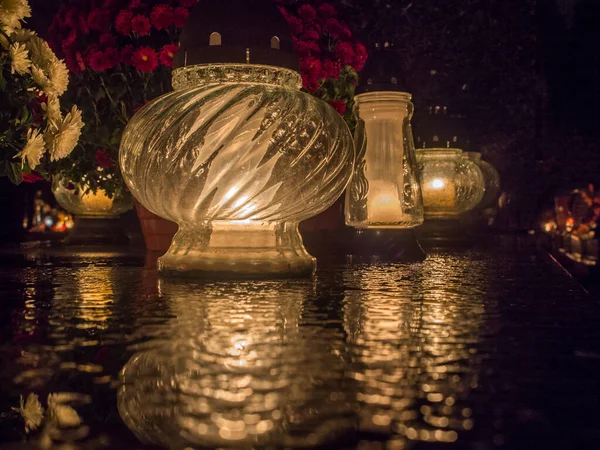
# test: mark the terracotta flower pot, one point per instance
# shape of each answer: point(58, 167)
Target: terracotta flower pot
point(158, 232)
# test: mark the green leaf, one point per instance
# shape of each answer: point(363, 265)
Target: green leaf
point(14, 173)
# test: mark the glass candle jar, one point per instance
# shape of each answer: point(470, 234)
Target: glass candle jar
point(384, 191)
point(237, 155)
point(450, 183)
point(74, 198)
point(490, 176)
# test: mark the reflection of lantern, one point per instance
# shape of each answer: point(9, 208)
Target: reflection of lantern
point(384, 191)
point(232, 368)
point(451, 184)
point(237, 155)
point(491, 178)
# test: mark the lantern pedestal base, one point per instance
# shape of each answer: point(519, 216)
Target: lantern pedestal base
point(93, 230)
point(237, 249)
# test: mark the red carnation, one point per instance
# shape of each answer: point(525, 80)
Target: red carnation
point(71, 19)
point(310, 83)
point(70, 40)
point(107, 40)
point(331, 69)
point(179, 16)
point(167, 53)
point(306, 48)
point(127, 54)
point(145, 59)
point(98, 19)
point(326, 11)
point(31, 177)
point(307, 13)
point(123, 22)
point(339, 105)
point(162, 17)
point(337, 29)
point(135, 4)
point(345, 52)
point(103, 158)
point(140, 25)
point(82, 20)
point(360, 57)
point(187, 3)
point(295, 24)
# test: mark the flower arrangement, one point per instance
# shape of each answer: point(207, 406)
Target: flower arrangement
point(34, 135)
point(329, 58)
point(121, 52)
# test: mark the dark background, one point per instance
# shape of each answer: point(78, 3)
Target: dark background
point(525, 73)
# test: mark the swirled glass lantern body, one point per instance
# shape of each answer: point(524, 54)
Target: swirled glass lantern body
point(451, 184)
point(76, 200)
point(490, 176)
point(237, 156)
point(384, 191)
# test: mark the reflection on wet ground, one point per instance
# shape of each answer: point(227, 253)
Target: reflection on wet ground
point(473, 349)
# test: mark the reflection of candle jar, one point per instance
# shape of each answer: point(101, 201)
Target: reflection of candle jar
point(384, 191)
point(490, 176)
point(451, 184)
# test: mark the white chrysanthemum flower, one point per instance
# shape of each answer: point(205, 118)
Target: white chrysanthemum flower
point(22, 35)
point(58, 75)
point(64, 415)
point(19, 56)
point(40, 78)
point(62, 139)
point(12, 12)
point(33, 150)
point(31, 411)
point(52, 109)
point(40, 52)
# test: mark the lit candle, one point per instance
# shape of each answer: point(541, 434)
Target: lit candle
point(384, 203)
point(439, 193)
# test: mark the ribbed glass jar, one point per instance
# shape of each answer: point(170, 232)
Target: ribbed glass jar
point(451, 184)
point(490, 176)
point(384, 191)
point(237, 155)
point(74, 198)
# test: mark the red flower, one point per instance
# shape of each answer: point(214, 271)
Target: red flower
point(82, 20)
point(306, 48)
point(331, 69)
point(167, 53)
point(179, 16)
point(311, 66)
point(140, 25)
point(360, 57)
point(162, 17)
point(97, 61)
point(103, 158)
point(135, 4)
point(344, 52)
point(113, 58)
point(80, 62)
point(145, 59)
point(311, 35)
point(127, 54)
point(187, 3)
point(295, 24)
point(326, 11)
point(310, 83)
point(123, 22)
point(107, 40)
point(70, 41)
point(339, 105)
point(98, 19)
point(307, 13)
point(337, 29)
point(31, 178)
point(71, 19)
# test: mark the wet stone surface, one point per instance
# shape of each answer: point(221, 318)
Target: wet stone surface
point(474, 349)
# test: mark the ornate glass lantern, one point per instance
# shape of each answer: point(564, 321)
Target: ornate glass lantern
point(384, 191)
point(490, 176)
point(451, 183)
point(237, 155)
